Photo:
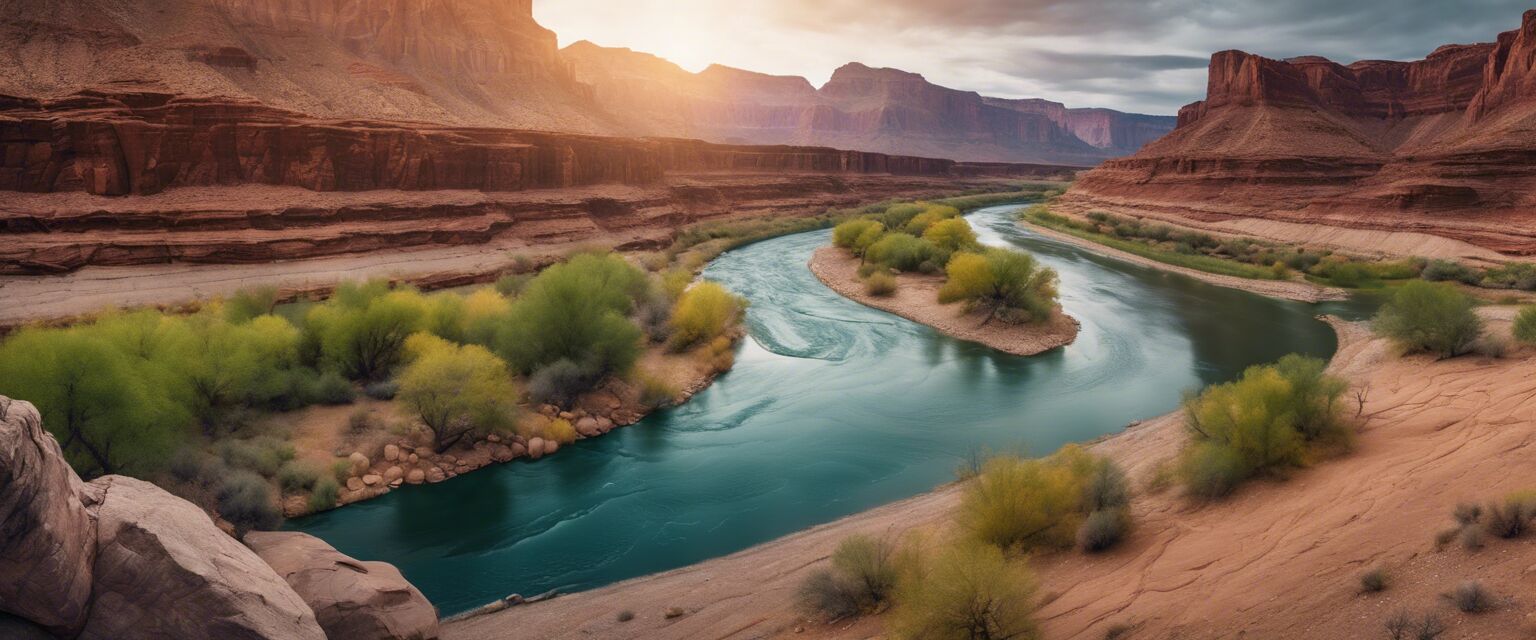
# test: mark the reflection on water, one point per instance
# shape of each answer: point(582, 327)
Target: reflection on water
point(832, 408)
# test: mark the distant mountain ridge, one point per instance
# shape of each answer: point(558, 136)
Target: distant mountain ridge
point(860, 107)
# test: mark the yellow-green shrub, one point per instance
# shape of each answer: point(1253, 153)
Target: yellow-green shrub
point(963, 592)
point(951, 235)
point(456, 390)
point(704, 312)
point(1009, 284)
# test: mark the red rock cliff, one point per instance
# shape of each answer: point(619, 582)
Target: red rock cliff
point(1435, 145)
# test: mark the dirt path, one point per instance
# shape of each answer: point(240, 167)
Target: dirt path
point(1279, 560)
point(917, 299)
point(1298, 290)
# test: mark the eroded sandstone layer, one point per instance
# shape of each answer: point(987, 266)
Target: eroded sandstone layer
point(222, 181)
point(1442, 146)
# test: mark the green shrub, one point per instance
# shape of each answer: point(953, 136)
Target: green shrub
point(295, 476)
point(1211, 471)
point(903, 252)
point(1525, 325)
point(1446, 270)
point(827, 596)
point(704, 312)
point(560, 383)
point(951, 235)
point(1009, 284)
point(512, 284)
point(897, 216)
point(341, 469)
point(1430, 318)
point(361, 331)
point(965, 592)
point(869, 565)
point(576, 311)
point(265, 456)
point(857, 235)
point(456, 390)
point(880, 284)
point(324, 495)
point(383, 390)
point(330, 388)
point(248, 304)
point(1019, 504)
point(245, 500)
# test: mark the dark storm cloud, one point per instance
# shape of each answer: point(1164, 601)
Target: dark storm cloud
point(1046, 65)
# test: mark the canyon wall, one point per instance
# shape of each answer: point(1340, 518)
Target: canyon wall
point(1441, 146)
point(884, 110)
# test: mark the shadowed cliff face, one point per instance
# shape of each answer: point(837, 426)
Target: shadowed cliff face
point(884, 110)
point(1439, 145)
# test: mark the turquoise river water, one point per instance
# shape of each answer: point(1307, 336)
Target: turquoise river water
point(832, 408)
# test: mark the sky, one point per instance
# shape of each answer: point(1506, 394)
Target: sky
point(1146, 56)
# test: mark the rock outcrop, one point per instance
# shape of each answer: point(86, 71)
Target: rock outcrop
point(883, 110)
point(163, 570)
point(47, 540)
point(122, 559)
point(351, 599)
point(1436, 146)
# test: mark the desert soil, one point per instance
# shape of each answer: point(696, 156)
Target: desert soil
point(1281, 559)
point(917, 299)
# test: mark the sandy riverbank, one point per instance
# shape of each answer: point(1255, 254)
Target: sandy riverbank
point(916, 299)
point(1280, 559)
point(1298, 290)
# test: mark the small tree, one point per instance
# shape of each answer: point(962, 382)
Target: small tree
point(965, 592)
point(1423, 317)
point(857, 235)
point(1009, 284)
point(456, 390)
point(576, 311)
point(361, 331)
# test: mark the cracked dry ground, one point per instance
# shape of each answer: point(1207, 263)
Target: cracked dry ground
point(1279, 560)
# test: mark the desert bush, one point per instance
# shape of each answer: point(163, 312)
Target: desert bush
point(1403, 625)
point(1019, 504)
point(362, 421)
point(341, 469)
point(1472, 597)
point(870, 565)
point(248, 304)
point(295, 476)
point(1103, 529)
point(383, 390)
point(1430, 318)
point(1467, 513)
point(857, 235)
point(361, 331)
point(1001, 281)
point(456, 390)
point(931, 215)
point(1447, 270)
point(880, 284)
point(324, 495)
point(511, 284)
point(625, 616)
point(1525, 325)
point(903, 252)
point(576, 311)
point(1373, 581)
point(1209, 471)
point(245, 500)
point(951, 235)
point(655, 392)
point(1511, 518)
point(1491, 346)
point(704, 312)
point(560, 383)
point(898, 216)
point(1471, 538)
point(964, 592)
point(329, 388)
point(827, 596)
point(265, 456)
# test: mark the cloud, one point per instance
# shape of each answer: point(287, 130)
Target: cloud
point(1135, 55)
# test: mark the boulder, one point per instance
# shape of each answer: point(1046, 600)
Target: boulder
point(493, 438)
point(535, 447)
point(588, 428)
point(351, 599)
point(550, 446)
point(501, 453)
point(354, 483)
point(416, 476)
point(163, 570)
point(391, 452)
point(519, 450)
point(393, 473)
point(372, 479)
point(435, 475)
point(47, 539)
point(604, 424)
point(413, 459)
point(359, 463)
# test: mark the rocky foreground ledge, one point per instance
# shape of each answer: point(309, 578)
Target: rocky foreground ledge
point(120, 559)
point(916, 299)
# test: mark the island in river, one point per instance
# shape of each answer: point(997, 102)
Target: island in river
point(917, 299)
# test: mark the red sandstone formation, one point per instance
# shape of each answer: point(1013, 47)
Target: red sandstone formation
point(1439, 146)
point(859, 108)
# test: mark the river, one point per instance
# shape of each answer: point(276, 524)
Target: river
point(832, 408)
